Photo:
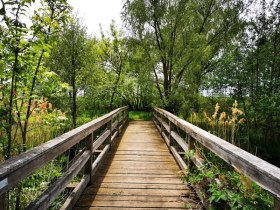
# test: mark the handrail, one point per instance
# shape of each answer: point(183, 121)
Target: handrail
point(14, 170)
point(261, 172)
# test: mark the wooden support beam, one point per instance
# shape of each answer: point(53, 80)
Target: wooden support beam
point(276, 203)
point(182, 143)
point(76, 193)
point(178, 158)
point(89, 148)
point(3, 202)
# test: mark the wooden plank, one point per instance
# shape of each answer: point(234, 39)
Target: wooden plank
point(114, 125)
point(88, 198)
point(141, 152)
point(178, 158)
point(179, 140)
point(261, 172)
point(114, 136)
point(167, 141)
point(122, 208)
point(99, 159)
point(76, 193)
point(47, 197)
point(3, 202)
point(138, 173)
point(101, 139)
point(134, 204)
point(140, 186)
point(276, 204)
point(143, 158)
point(141, 166)
point(137, 179)
point(165, 126)
point(16, 169)
point(141, 192)
point(89, 147)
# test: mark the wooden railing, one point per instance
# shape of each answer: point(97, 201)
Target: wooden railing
point(261, 172)
point(16, 169)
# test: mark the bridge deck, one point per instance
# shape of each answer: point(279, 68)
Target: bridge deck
point(139, 173)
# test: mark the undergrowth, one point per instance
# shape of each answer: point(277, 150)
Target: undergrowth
point(223, 186)
point(140, 115)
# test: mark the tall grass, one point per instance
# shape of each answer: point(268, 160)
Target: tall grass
point(234, 190)
point(45, 123)
point(225, 124)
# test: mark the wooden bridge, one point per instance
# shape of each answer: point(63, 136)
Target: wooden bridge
point(134, 166)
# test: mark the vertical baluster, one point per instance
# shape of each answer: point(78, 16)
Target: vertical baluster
point(161, 124)
point(88, 165)
point(191, 146)
point(3, 202)
point(109, 127)
point(276, 203)
point(118, 122)
point(169, 135)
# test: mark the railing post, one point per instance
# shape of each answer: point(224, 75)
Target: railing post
point(126, 117)
point(118, 123)
point(169, 135)
point(88, 165)
point(109, 127)
point(161, 124)
point(191, 146)
point(276, 203)
point(3, 202)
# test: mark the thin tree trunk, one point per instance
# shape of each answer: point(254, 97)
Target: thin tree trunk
point(74, 103)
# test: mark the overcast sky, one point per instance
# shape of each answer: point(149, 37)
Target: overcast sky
point(95, 12)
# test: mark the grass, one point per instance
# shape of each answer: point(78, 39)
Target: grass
point(140, 115)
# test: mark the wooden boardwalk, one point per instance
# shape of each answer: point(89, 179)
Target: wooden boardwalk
point(139, 173)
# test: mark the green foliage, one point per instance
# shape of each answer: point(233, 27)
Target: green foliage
point(232, 191)
point(140, 115)
point(35, 184)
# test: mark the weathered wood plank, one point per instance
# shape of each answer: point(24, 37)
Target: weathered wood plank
point(141, 166)
point(138, 174)
point(76, 193)
point(137, 179)
point(178, 158)
point(136, 171)
point(123, 208)
point(167, 141)
point(141, 152)
point(135, 204)
point(96, 164)
point(88, 198)
point(141, 192)
point(140, 186)
point(142, 158)
point(100, 140)
point(179, 140)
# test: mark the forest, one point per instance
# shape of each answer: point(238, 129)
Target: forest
point(213, 63)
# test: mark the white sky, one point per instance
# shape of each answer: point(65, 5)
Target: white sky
point(95, 12)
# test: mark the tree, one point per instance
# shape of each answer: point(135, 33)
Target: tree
point(181, 38)
point(113, 58)
point(249, 70)
point(23, 50)
point(68, 59)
